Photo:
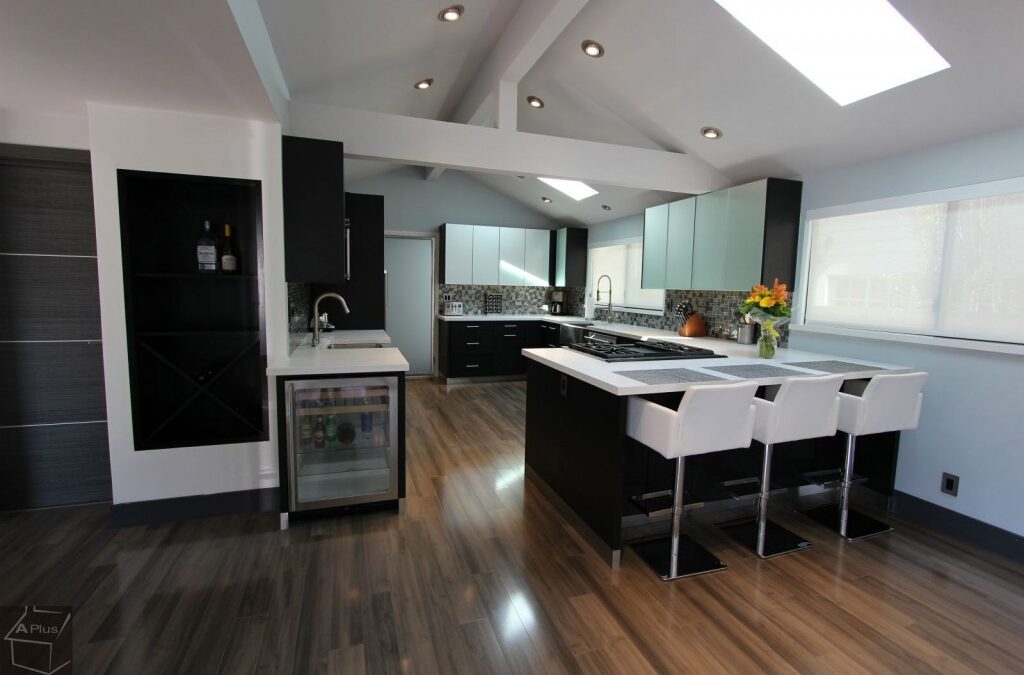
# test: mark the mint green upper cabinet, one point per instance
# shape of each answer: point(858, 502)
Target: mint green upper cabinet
point(511, 256)
point(485, 255)
point(744, 243)
point(561, 238)
point(679, 244)
point(709, 240)
point(538, 257)
point(655, 242)
point(458, 254)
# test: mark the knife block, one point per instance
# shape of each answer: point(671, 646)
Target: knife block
point(694, 327)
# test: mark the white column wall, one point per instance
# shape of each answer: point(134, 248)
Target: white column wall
point(172, 142)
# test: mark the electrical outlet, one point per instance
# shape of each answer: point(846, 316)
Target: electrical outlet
point(950, 483)
point(447, 297)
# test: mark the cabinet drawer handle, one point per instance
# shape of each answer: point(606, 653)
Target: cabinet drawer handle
point(472, 365)
point(511, 335)
point(510, 325)
point(472, 326)
point(470, 344)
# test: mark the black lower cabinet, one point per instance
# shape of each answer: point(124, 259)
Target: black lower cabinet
point(489, 347)
point(574, 438)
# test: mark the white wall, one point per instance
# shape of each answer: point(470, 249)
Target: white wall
point(412, 204)
point(44, 129)
point(151, 140)
point(974, 400)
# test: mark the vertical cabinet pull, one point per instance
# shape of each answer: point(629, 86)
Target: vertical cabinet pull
point(348, 250)
point(563, 385)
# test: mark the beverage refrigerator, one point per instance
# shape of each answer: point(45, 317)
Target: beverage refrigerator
point(342, 441)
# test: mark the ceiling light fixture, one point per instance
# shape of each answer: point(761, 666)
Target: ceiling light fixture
point(592, 49)
point(850, 49)
point(606, 207)
point(535, 102)
point(546, 200)
point(451, 14)
point(573, 188)
point(711, 132)
point(425, 84)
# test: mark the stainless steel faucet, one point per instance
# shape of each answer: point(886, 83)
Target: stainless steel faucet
point(598, 298)
point(316, 314)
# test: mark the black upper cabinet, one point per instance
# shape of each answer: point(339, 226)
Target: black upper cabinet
point(364, 289)
point(568, 266)
point(314, 210)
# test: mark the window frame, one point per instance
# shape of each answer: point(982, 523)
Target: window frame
point(618, 307)
point(945, 195)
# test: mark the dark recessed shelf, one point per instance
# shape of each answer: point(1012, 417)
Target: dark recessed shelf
point(195, 341)
point(194, 275)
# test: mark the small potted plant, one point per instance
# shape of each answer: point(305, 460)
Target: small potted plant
point(770, 308)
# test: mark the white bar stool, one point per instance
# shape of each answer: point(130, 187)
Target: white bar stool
point(710, 418)
point(801, 408)
point(886, 403)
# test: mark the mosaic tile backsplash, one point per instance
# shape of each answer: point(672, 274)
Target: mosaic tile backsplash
point(514, 299)
point(717, 308)
point(300, 311)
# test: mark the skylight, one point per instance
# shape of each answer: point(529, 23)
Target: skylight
point(850, 49)
point(574, 188)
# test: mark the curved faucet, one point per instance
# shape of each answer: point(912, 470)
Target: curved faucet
point(316, 313)
point(598, 298)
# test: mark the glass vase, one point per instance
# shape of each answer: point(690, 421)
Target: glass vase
point(766, 346)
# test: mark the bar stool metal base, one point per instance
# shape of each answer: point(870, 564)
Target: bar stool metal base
point(693, 558)
point(777, 540)
point(858, 525)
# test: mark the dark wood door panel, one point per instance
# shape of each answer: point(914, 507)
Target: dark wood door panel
point(45, 209)
point(51, 465)
point(46, 298)
point(48, 382)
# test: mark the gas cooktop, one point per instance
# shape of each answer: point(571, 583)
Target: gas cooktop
point(652, 350)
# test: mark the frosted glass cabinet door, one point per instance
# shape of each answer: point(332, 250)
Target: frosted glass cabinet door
point(709, 237)
point(512, 256)
point(679, 244)
point(745, 237)
point(560, 244)
point(458, 254)
point(538, 257)
point(485, 254)
point(655, 240)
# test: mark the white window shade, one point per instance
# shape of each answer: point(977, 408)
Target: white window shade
point(623, 264)
point(950, 269)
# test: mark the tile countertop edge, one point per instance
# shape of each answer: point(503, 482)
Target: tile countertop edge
point(602, 374)
point(321, 361)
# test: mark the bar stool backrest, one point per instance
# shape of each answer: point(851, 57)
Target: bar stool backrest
point(804, 407)
point(714, 417)
point(889, 403)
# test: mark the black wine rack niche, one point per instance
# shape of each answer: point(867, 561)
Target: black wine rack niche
point(196, 341)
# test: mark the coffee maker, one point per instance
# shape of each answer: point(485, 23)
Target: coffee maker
point(557, 303)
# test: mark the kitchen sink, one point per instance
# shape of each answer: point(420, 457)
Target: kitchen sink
point(356, 345)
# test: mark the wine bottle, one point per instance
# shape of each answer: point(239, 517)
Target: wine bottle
point(206, 250)
point(228, 261)
point(319, 437)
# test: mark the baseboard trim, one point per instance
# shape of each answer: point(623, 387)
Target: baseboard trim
point(957, 525)
point(156, 511)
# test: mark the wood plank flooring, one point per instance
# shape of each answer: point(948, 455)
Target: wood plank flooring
point(482, 575)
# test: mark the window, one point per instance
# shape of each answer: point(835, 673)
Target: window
point(950, 268)
point(622, 263)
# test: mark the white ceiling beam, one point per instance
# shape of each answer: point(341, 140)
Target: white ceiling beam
point(414, 140)
point(253, 28)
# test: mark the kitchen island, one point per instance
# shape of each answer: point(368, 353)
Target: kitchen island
point(576, 442)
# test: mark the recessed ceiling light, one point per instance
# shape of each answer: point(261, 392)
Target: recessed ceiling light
point(535, 102)
point(606, 207)
point(546, 200)
point(450, 14)
point(425, 84)
point(591, 48)
point(574, 188)
point(711, 132)
point(850, 49)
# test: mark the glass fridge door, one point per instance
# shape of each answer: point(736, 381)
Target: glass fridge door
point(342, 438)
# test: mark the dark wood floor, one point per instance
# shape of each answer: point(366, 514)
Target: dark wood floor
point(482, 575)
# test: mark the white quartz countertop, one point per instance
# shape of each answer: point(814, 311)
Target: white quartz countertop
point(609, 377)
point(342, 337)
point(309, 360)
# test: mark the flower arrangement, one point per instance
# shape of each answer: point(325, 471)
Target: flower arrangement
point(770, 308)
